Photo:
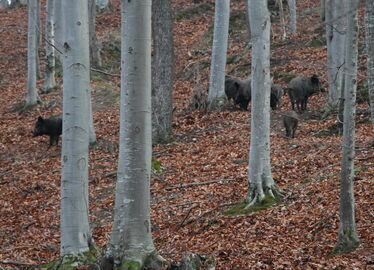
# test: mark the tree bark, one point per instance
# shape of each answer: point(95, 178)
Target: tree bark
point(32, 94)
point(131, 241)
point(162, 70)
point(259, 176)
point(75, 230)
point(348, 238)
point(49, 78)
point(369, 26)
point(335, 33)
point(217, 97)
point(95, 57)
point(293, 15)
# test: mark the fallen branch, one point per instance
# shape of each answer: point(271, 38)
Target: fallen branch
point(200, 183)
point(106, 73)
point(15, 263)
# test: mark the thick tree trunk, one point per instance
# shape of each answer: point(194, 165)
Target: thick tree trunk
point(348, 238)
point(131, 241)
point(49, 79)
point(217, 97)
point(259, 176)
point(32, 94)
point(75, 231)
point(369, 26)
point(335, 33)
point(162, 70)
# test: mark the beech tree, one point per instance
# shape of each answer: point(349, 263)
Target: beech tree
point(348, 238)
point(75, 230)
point(162, 70)
point(95, 57)
point(32, 96)
point(49, 78)
point(369, 27)
point(335, 33)
point(131, 243)
point(293, 15)
point(58, 30)
point(260, 178)
point(217, 97)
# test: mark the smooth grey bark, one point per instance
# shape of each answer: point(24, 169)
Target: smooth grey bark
point(49, 77)
point(102, 5)
point(348, 238)
point(75, 230)
point(4, 3)
point(95, 57)
point(259, 176)
point(162, 70)
point(58, 27)
point(369, 27)
point(131, 239)
point(293, 15)
point(281, 19)
point(217, 97)
point(32, 94)
point(322, 11)
point(335, 33)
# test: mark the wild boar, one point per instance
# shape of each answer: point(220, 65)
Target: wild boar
point(301, 88)
point(290, 122)
point(275, 96)
point(239, 91)
point(49, 126)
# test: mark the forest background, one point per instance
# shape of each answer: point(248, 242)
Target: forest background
point(203, 171)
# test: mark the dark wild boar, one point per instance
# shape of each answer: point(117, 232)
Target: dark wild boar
point(290, 122)
point(301, 88)
point(239, 91)
point(49, 126)
point(275, 96)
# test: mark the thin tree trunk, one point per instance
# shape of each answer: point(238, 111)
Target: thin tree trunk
point(281, 19)
point(293, 15)
point(75, 230)
point(369, 26)
point(58, 26)
point(348, 238)
point(32, 94)
point(49, 79)
point(162, 70)
point(217, 97)
point(95, 57)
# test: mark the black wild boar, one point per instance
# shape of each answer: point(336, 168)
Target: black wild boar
point(239, 91)
point(49, 126)
point(290, 121)
point(275, 96)
point(301, 88)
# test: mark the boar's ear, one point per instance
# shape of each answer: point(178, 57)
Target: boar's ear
point(40, 119)
point(314, 79)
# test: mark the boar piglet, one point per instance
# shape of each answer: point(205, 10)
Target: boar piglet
point(49, 126)
point(301, 88)
point(290, 122)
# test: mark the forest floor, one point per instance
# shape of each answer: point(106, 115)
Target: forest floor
point(204, 169)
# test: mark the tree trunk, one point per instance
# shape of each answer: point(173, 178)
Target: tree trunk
point(162, 70)
point(335, 33)
point(102, 5)
point(322, 11)
point(217, 97)
point(281, 19)
point(49, 79)
point(32, 94)
point(75, 231)
point(4, 3)
point(348, 238)
point(131, 241)
point(95, 57)
point(58, 26)
point(293, 15)
point(260, 179)
point(369, 26)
